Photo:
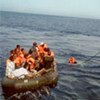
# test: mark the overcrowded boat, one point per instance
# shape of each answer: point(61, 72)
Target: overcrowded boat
point(29, 71)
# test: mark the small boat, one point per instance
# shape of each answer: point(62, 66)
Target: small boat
point(12, 86)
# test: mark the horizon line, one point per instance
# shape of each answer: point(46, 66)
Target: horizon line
point(50, 15)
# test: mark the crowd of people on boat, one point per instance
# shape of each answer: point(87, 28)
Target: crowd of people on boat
point(38, 59)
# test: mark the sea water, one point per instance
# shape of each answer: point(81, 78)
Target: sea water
point(66, 36)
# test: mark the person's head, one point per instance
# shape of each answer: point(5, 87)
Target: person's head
point(42, 44)
point(45, 49)
point(34, 44)
point(11, 52)
point(23, 50)
point(11, 58)
point(18, 46)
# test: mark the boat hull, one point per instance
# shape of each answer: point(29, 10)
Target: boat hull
point(11, 86)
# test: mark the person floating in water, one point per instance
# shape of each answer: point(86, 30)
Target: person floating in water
point(72, 60)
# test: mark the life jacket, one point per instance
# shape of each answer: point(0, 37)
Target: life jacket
point(31, 62)
point(72, 60)
point(17, 62)
point(41, 49)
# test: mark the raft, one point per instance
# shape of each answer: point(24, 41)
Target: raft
point(12, 86)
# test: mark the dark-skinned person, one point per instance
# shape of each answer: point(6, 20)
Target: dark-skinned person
point(33, 50)
point(48, 58)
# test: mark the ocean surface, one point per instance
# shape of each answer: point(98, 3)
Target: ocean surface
point(66, 36)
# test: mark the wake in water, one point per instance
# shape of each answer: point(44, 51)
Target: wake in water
point(41, 94)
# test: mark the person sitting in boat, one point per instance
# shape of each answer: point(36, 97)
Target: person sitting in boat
point(47, 61)
point(10, 67)
point(40, 51)
point(33, 50)
point(27, 59)
point(17, 61)
point(48, 57)
point(31, 62)
point(23, 52)
point(41, 48)
point(48, 53)
point(45, 45)
point(40, 61)
point(15, 70)
point(12, 52)
point(22, 56)
point(17, 50)
point(72, 60)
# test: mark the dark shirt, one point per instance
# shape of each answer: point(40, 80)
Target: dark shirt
point(32, 49)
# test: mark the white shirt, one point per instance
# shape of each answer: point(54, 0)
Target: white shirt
point(20, 72)
point(10, 67)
